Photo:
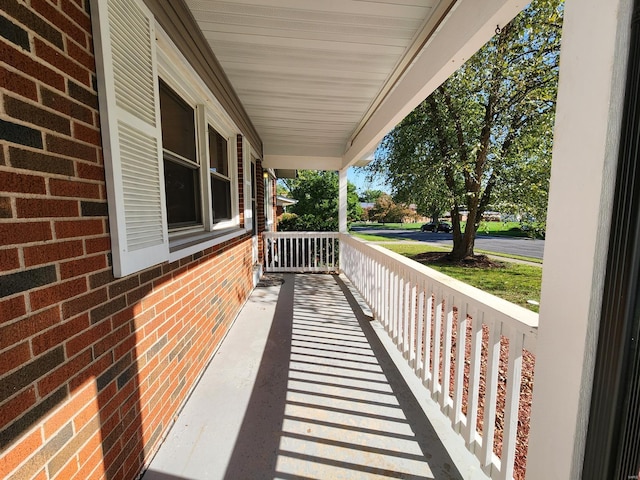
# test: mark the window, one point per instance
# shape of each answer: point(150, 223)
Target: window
point(181, 167)
point(219, 176)
point(188, 197)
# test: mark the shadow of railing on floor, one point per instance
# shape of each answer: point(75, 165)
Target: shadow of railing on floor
point(328, 400)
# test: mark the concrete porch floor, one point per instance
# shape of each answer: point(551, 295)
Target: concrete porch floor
point(306, 386)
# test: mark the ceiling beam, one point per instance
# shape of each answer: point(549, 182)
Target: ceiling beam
point(298, 162)
point(467, 27)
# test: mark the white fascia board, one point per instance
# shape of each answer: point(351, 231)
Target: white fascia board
point(297, 162)
point(366, 158)
point(467, 27)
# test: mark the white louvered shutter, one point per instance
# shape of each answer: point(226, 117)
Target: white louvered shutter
point(131, 133)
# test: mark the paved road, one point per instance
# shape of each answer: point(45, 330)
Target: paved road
point(512, 245)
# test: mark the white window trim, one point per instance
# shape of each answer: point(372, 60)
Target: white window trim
point(191, 244)
point(232, 169)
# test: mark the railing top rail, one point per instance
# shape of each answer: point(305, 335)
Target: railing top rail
point(300, 234)
point(512, 316)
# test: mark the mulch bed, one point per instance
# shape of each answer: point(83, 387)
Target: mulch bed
point(443, 258)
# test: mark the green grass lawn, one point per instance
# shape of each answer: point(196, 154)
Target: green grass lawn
point(509, 229)
point(509, 255)
point(409, 250)
point(367, 237)
point(515, 282)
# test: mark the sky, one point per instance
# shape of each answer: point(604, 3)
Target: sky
point(358, 177)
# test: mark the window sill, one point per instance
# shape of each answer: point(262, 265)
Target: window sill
point(184, 245)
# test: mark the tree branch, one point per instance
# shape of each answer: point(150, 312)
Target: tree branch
point(442, 145)
point(456, 121)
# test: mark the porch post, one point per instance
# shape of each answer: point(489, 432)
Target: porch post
point(342, 201)
point(587, 131)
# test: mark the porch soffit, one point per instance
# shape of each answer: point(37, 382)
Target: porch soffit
point(313, 75)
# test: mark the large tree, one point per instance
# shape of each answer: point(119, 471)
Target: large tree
point(484, 136)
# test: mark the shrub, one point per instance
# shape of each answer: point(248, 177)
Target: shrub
point(291, 222)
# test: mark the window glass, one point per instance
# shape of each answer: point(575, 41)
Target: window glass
point(178, 125)
point(218, 153)
point(221, 199)
point(182, 194)
point(181, 169)
point(220, 181)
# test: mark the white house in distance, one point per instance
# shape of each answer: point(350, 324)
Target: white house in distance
point(134, 141)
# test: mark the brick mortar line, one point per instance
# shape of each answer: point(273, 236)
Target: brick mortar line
point(48, 195)
point(57, 264)
point(65, 36)
point(40, 84)
point(35, 12)
point(55, 154)
point(31, 54)
point(87, 49)
point(40, 105)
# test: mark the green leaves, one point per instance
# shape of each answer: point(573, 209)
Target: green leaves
point(317, 207)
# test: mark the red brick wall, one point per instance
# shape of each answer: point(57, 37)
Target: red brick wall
point(92, 368)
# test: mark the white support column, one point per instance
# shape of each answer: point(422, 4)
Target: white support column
point(342, 201)
point(592, 76)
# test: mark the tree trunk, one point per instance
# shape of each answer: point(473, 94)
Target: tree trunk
point(455, 223)
point(463, 244)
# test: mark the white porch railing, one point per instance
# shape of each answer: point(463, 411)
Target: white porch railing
point(455, 337)
point(465, 344)
point(300, 252)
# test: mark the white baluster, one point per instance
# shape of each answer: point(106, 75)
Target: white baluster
point(512, 401)
point(435, 360)
point(474, 379)
point(446, 353)
point(490, 396)
point(461, 344)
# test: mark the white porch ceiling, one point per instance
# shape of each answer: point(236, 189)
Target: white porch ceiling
point(313, 74)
